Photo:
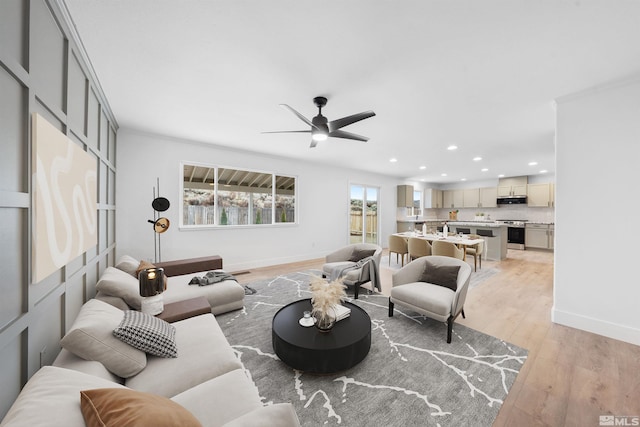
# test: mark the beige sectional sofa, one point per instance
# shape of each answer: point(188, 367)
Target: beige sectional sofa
point(206, 378)
point(119, 287)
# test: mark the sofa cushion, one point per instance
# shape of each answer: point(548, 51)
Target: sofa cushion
point(68, 360)
point(123, 407)
point(128, 264)
point(147, 333)
point(280, 414)
point(91, 337)
point(228, 406)
point(443, 275)
point(204, 353)
point(52, 398)
point(117, 283)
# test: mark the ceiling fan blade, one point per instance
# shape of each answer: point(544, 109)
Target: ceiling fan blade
point(346, 121)
point(287, 131)
point(300, 116)
point(313, 143)
point(347, 135)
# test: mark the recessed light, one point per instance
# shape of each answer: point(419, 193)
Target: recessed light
point(393, 160)
point(463, 179)
point(543, 171)
point(422, 179)
point(484, 169)
point(501, 175)
point(477, 159)
point(443, 174)
point(533, 163)
point(452, 147)
point(423, 167)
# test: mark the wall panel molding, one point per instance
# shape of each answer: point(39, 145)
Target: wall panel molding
point(46, 69)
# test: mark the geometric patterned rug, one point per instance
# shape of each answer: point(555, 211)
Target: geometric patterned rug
point(410, 377)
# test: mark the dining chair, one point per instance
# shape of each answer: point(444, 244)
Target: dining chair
point(399, 246)
point(418, 248)
point(442, 248)
point(476, 251)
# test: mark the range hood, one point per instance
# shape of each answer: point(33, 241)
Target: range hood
point(512, 200)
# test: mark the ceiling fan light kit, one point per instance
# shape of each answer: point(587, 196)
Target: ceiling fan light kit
point(321, 128)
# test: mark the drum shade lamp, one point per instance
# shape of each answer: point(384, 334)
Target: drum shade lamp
point(151, 286)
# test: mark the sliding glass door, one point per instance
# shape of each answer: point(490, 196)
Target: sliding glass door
point(363, 222)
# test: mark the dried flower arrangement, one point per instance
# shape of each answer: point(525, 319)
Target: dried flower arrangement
point(326, 295)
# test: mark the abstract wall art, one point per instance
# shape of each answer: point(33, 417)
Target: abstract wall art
point(65, 199)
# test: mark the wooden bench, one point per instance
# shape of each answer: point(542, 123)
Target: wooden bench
point(190, 265)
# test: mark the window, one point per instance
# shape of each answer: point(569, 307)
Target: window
point(417, 203)
point(218, 196)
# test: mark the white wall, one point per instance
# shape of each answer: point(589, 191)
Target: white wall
point(597, 287)
point(323, 200)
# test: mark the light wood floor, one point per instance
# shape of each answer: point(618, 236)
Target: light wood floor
point(570, 378)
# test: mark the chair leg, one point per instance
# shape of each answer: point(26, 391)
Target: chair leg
point(480, 260)
point(475, 262)
point(449, 329)
point(463, 316)
point(356, 287)
point(390, 308)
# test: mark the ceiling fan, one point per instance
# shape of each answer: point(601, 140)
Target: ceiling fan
point(321, 128)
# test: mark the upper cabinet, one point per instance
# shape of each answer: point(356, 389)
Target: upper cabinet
point(471, 198)
point(514, 186)
point(436, 198)
point(405, 196)
point(541, 195)
point(488, 197)
point(452, 199)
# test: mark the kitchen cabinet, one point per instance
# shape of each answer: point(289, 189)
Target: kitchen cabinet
point(539, 236)
point(488, 197)
point(436, 198)
point(514, 186)
point(540, 195)
point(452, 199)
point(471, 198)
point(405, 196)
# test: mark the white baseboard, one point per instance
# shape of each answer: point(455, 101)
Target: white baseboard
point(596, 326)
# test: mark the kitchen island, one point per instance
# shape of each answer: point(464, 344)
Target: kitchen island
point(493, 233)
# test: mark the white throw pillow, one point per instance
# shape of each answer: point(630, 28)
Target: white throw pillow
point(117, 283)
point(128, 264)
point(91, 338)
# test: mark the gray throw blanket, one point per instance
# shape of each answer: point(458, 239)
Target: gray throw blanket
point(211, 278)
point(368, 262)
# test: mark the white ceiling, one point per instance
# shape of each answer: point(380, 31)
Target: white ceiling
point(478, 74)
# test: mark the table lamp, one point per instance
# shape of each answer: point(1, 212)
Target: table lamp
point(151, 286)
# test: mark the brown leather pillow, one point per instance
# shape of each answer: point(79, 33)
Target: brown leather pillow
point(123, 407)
point(442, 275)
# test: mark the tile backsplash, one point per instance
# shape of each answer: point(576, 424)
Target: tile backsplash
point(515, 212)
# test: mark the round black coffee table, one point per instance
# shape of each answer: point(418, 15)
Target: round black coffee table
point(307, 349)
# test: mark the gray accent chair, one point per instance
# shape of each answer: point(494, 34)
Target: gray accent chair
point(434, 301)
point(338, 264)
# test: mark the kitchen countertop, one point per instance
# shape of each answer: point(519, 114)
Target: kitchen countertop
point(421, 220)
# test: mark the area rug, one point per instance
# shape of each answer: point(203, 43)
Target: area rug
point(410, 377)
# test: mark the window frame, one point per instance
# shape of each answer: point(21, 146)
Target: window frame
point(216, 224)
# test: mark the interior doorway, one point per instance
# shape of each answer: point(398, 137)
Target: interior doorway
point(363, 214)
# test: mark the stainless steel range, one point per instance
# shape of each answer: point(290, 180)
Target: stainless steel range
point(515, 233)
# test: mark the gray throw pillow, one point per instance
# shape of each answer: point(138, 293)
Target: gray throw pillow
point(359, 254)
point(442, 275)
point(147, 333)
